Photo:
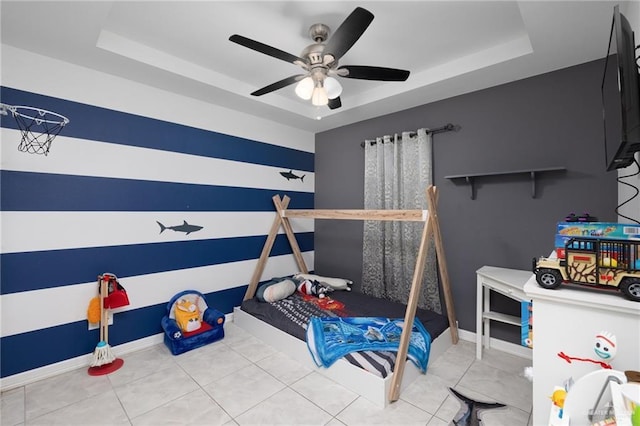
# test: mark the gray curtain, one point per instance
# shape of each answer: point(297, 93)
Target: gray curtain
point(397, 173)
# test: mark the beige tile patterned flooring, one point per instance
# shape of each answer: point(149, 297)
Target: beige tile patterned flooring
point(242, 381)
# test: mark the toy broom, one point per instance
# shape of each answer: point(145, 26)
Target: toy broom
point(104, 361)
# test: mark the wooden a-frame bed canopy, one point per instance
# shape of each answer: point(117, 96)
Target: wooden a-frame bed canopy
point(431, 230)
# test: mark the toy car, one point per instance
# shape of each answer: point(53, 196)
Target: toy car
point(595, 262)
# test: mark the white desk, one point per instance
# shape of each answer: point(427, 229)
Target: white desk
point(509, 282)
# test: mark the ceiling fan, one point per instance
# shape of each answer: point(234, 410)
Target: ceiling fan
point(320, 61)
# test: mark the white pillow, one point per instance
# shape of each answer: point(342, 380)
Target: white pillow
point(272, 292)
point(334, 283)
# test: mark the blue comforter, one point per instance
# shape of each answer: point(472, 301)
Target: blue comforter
point(329, 339)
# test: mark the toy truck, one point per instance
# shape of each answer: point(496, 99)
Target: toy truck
point(595, 262)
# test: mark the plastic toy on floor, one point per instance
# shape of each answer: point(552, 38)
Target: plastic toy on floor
point(190, 323)
point(470, 410)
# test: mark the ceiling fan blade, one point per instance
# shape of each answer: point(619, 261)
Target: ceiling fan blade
point(364, 72)
point(335, 103)
point(263, 48)
point(278, 85)
point(348, 33)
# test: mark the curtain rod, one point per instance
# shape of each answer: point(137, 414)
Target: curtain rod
point(446, 128)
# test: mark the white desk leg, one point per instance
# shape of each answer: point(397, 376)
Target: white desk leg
point(487, 321)
point(479, 287)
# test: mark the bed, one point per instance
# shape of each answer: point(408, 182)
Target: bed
point(266, 320)
point(282, 325)
point(292, 315)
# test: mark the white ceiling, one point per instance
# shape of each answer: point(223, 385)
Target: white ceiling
point(450, 47)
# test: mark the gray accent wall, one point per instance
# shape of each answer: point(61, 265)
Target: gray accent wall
point(550, 120)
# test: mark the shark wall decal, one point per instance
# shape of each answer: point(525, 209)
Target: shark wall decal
point(185, 227)
point(470, 410)
point(289, 175)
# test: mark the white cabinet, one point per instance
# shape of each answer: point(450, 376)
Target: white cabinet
point(509, 282)
point(568, 320)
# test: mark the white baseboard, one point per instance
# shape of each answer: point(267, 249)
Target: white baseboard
point(498, 344)
point(22, 379)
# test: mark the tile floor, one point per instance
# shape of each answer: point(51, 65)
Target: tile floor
point(241, 381)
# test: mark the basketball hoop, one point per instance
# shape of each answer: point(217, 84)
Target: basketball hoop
point(38, 127)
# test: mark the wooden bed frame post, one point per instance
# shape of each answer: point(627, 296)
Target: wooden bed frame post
point(297, 254)
point(432, 200)
point(281, 205)
point(430, 230)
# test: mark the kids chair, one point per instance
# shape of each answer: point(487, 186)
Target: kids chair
point(190, 323)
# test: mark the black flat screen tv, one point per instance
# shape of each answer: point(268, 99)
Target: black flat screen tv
point(621, 96)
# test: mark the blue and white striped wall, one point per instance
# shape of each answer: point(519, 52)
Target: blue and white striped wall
point(93, 205)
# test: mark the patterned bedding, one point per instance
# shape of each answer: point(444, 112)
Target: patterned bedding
point(330, 339)
point(292, 315)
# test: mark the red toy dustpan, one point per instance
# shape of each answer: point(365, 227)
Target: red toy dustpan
point(117, 295)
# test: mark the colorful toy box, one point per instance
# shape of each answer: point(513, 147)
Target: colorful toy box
point(567, 230)
point(599, 229)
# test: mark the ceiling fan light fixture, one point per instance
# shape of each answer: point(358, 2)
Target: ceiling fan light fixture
point(320, 59)
point(319, 97)
point(333, 87)
point(305, 88)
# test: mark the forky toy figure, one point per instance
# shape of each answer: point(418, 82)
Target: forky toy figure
point(605, 348)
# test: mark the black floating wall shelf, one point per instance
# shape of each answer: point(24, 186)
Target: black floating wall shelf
point(470, 178)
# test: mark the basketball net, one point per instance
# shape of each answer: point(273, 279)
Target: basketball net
point(38, 127)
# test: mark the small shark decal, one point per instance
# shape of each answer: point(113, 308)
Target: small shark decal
point(470, 410)
point(289, 175)
point(185, 227)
